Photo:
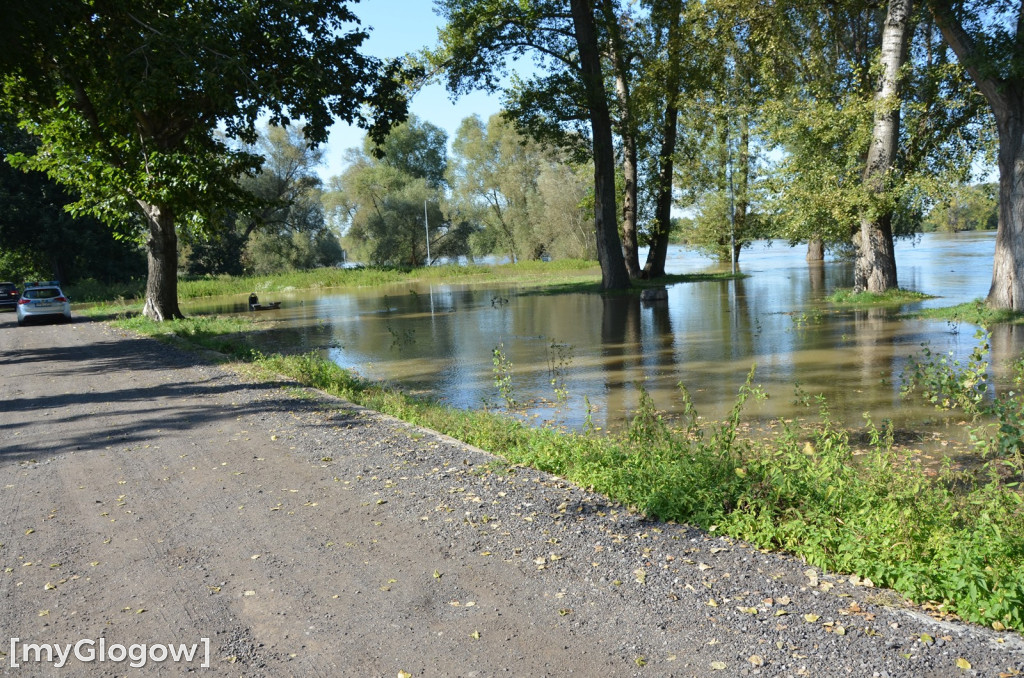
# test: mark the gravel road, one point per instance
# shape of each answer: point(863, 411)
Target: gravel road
point(149, 498)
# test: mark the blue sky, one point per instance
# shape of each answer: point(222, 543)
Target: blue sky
point(398, 27)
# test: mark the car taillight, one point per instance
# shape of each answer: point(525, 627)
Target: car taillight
point(61, 299)
point(23, 301)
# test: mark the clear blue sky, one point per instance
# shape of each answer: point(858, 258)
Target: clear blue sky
point(399, 27)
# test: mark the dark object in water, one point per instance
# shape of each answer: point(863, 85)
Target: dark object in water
point(652, 294)
point(255, 305)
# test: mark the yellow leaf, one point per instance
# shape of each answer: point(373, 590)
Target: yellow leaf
point(640, 661)
point(404, 674)
point(29, 531)
point(475, 635)
point(962, 663)
point(437, 574)
point(998, 626)
point(747, 610)
point(780, 613)
point(756, 660)
point(712, 603)
point(811, 618)
point(718, 666)
point(49, 587)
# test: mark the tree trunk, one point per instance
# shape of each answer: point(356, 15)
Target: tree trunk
point(627, 132)
point(1007, 289)
point(629, 172)
point(815, 250)
point(875, 270)
point(658, 250)
point(162, 255)
point(609, 245)
point(1006, 98)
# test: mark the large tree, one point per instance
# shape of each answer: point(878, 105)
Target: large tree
point(876, 258)
point(569, 93)
point(125, 97)
point(988, 38)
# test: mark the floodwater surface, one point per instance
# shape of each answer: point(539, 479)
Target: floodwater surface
point(558, 352)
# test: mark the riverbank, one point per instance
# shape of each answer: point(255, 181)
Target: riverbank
point(163, 498)
point(949, 538)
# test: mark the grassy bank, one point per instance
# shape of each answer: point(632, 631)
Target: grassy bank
point(568, 271)
point(956, 538)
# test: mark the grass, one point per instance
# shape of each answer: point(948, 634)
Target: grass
point(956, 538)
point(896, 297)
point(975, 312)
point(525, 273)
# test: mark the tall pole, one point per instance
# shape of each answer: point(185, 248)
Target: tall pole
point(426, 227)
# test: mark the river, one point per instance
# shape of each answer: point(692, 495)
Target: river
point(560, 351)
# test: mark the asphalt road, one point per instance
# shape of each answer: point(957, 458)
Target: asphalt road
point(150, 500)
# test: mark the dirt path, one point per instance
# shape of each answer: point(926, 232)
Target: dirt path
point(149, 498)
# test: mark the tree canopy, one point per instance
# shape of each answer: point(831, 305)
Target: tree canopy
point(126, 97)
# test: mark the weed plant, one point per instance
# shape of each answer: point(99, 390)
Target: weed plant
point(956, 538)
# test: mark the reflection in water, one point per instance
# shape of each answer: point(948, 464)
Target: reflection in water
point(438, 339)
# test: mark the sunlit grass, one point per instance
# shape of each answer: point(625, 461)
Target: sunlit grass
point(896, 297)
point(976, 312)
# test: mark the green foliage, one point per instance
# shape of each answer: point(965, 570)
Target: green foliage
point(503, 375)
point(128, 99)
point(378, 202)
point(966, 208)
point(527, 202)
point(949, 384)
point(284, 228)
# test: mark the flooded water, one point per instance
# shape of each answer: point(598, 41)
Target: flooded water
point(562, 348)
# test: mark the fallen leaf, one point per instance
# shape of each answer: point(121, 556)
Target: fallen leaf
point(756, 660)
point(747, 610)
point(811, 618)
point(962, 663)
point(404, 674)
point(718, 666)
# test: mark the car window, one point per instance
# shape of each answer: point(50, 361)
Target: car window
point(44, 293)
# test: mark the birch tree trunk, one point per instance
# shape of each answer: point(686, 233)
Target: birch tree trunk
point(875, 270)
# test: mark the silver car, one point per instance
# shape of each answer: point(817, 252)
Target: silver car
point(41, 300)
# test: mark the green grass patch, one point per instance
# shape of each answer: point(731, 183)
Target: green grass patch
point(526, 273)
point(976, 312)
point(956, 537)
point(897, 297)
